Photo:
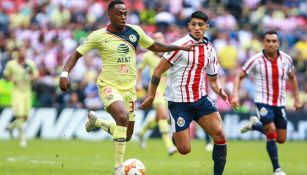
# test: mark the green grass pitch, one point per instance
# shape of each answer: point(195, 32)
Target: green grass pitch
point(75, 157)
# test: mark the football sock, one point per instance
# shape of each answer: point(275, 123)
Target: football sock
point(149, 125)
point(106, 125)
point(271, 147)
point(219, 157)
point(119, 140)
point(20, 125)
point(164, 130)
point(258, 127)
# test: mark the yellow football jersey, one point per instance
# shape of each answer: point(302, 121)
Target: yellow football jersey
point(21, 74)
point(117, 51)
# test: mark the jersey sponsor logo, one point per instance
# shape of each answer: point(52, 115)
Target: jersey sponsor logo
point(180, 122)
point(108, 93)
point(123, 48)
point(124, 68)
point(107, 90)
point(263, 111)
point(123, 60)
point(132, 38)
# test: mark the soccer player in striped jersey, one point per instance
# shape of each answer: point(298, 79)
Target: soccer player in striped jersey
point(186, 94)
point(271, 68)
point(116, 45)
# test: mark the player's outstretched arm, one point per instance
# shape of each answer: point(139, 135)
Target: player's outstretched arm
point(297, 102)
point(235, 92)
point(162, 67)
point(69, 64)
point(161, 47)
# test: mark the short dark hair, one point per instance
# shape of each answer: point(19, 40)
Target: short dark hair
point(199, 15)
point(270, 32)
point(113, 3)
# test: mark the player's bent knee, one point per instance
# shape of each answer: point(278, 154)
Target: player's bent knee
point(122, 119)
point(281, 140)
point(184, 150)
point(219, 135)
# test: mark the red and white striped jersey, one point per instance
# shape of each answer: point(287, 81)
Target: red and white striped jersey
point(186, 78)
point(270, 77)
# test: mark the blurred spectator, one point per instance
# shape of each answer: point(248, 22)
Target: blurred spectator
point(4, 21)
point(74, 101)
point(92, 101)
point(301, 54)
point(228, 55)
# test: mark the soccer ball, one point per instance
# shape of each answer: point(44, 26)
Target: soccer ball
point(132, 167)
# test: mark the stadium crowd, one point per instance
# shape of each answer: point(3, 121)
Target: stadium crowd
point(52, 29)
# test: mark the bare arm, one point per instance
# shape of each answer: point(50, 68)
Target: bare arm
point(70, 63)
point(162, 67)
point(216, 87)
point(297, 102)
point(72, 60)
point(236, 87)
point(160, 47)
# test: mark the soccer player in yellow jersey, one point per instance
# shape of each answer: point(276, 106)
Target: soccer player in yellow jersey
point(116, 44)
point(21, 72)
point(151, 60)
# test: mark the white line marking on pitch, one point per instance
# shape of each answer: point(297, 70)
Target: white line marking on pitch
point(43, 160)
point(31, 160)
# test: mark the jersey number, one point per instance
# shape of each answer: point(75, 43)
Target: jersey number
point(132, 106)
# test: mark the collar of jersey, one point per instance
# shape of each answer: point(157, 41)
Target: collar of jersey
point(205, 39)
point(265, 56)
point(110, 29)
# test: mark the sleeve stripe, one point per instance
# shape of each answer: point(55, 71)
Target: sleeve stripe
point(177, 58)
point(250, 64)
point(174, 54)
point(178, 50)
point(290, 61)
